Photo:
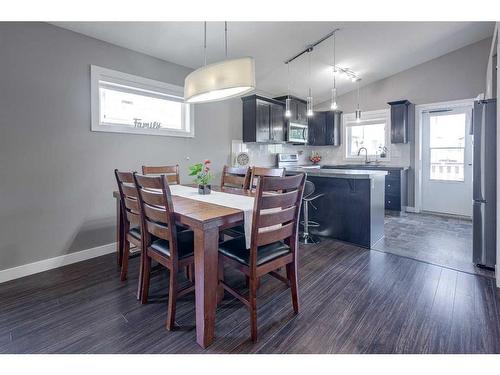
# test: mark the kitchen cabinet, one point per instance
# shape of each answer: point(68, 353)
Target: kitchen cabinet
point(298, 108)
point(402, 121)
point(333, 128)
point(317, 129)
point(395, 187)
point(263, 120)
point(324, 128)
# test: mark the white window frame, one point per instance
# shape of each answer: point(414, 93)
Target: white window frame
point(367, 118)
point(98, 74)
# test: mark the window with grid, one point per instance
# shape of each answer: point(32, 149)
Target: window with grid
point(447, 147)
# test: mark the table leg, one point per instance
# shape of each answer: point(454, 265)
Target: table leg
point(206, 247)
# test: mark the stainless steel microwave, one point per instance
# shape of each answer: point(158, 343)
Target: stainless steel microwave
point(297, 133)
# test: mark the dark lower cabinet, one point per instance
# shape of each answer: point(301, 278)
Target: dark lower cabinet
point(395, 185)
point(395, 189)
point(263, 120)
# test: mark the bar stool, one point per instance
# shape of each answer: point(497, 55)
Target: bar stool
point(309, 197)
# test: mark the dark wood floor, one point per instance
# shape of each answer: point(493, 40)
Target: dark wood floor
point(441, 240)
point(353, 301)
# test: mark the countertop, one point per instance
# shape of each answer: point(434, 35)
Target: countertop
point(369, 166)
point(339, 173)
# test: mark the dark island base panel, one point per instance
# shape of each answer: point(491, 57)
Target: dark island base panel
point(352, 210)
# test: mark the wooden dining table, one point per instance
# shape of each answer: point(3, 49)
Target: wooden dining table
point(206, 220)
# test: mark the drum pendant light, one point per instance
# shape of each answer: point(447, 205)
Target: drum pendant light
point(221, 80)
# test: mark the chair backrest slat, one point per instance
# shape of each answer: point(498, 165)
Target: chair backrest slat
point(258, 172)
point(153, 198)
point(133, 218)
point(279, 234)
point(276, 212)
point(235, 177)
point(171, 172)
point(158, 230)
point(271, 218)
point(128, 198)
point(157, 210)
point(279, 200)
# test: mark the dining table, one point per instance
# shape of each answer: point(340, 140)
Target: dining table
point(206, 220)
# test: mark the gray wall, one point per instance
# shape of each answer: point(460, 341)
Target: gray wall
point(457, 75)
point(56, 176)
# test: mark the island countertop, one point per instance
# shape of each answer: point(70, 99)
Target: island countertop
point(338, 173)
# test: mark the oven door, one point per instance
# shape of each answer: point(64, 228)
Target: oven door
point(297, 133)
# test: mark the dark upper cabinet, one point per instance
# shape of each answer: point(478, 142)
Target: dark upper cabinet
point(298, 107)
point(402, 121)
point(263, 120)
point(317, 129)
point(324, 128)
point(333, 128)
point(277, 127)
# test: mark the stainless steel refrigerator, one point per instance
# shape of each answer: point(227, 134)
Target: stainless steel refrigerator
point(484, 182)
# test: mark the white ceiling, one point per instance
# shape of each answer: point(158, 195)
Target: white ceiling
point(374, 50)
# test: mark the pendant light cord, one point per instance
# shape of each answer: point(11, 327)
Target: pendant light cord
point(310, 79)
point(205, 42)
point(358, 94)
point(334, 63)
point(288, 80)
point(225, 36)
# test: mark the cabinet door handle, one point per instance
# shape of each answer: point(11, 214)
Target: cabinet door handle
point(388, 185)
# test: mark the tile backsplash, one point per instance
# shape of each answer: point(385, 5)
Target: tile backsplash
point(264, 155)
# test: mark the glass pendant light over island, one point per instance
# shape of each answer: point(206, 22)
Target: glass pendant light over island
point(222, 80)
point(334, 105)
point(288, 112)
point(309, 99)
point(358, 111)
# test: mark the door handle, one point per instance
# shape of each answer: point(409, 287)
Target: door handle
point(469, 164)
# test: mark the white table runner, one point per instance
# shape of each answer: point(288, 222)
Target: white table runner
point(239, 202)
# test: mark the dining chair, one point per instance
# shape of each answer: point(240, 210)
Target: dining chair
point(162, 241)
point(170, 171)
point(264, 172)
point(273, 241)
point(235, 177)
point(131, 218)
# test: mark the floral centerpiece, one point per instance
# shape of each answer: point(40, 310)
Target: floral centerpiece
point(203, 176)
point(315, 158)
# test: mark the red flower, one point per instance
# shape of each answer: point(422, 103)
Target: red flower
point(206, 161)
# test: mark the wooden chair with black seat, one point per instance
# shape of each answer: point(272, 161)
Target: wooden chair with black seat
point(162, 241)
point(131, 218)
point(264, 172)
point(273, 241)
point(171, 172)
point(235, 178)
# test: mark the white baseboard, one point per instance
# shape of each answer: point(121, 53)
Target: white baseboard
point(412, 209)
point(48, 264)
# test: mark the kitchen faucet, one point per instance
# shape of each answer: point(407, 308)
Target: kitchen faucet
point(366, 154)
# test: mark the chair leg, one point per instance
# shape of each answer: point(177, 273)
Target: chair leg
point(125, 256)
point(141, 270)
point(172, 299)
point(190, 272)
point(291, 272)
point(220, 288)
point(253, 308)
point(146, 275)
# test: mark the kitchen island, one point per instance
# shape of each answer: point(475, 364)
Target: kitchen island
point(352, 207)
